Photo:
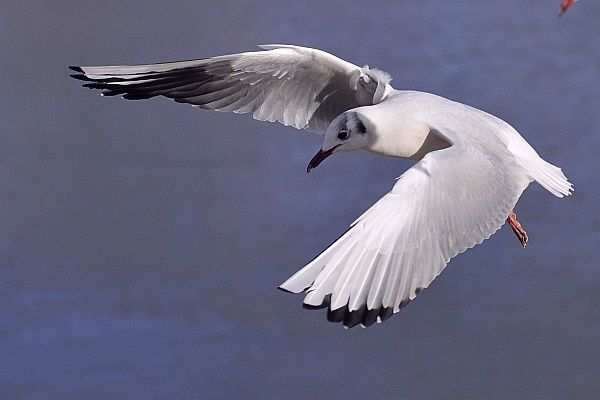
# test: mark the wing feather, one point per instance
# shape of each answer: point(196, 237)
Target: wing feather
point(447, 203)
point(297, 86)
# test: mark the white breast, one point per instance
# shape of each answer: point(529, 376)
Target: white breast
point(398, 130)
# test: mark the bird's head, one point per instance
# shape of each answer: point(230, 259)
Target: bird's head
point(348, 131)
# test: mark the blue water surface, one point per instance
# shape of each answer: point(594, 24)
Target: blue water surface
point(141, 243)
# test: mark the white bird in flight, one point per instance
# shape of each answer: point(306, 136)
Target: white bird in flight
point(471, 171)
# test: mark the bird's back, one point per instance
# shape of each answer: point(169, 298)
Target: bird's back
point(459, 122)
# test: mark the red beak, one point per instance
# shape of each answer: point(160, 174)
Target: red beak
point(319, 157)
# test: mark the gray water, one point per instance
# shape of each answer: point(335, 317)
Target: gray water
point(141, 243)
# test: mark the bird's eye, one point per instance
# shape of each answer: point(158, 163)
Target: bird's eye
point(343, 135)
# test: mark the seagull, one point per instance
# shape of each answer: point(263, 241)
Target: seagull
point(564, 6)
point(471, 167)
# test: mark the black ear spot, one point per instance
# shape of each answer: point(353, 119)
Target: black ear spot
point(343, 134)
point(358, 124)
point(360, 127)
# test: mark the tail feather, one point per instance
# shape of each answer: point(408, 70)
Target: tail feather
point(551, 178)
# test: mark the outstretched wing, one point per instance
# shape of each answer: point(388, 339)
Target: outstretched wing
point(447, 203)
point(302, 87)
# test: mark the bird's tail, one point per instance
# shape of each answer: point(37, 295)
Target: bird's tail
point(550, 177)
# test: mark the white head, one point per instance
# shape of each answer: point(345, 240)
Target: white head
point(348, 131)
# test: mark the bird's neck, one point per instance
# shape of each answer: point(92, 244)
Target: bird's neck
point(400, 137)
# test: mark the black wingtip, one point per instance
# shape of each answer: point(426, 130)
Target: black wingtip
point(324, 304)
point(336, 315)
point(385, 313)
point(311, 307)
point(370, 317)
point(95, 85)
point(76, 69)
point(355, 317)
point(81, 77)
point(363, 316)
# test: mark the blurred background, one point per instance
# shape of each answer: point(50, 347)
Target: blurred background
point(141, 243)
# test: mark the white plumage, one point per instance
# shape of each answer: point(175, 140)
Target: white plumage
point(473, 166)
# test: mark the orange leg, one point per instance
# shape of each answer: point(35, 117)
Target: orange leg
point(517, 228)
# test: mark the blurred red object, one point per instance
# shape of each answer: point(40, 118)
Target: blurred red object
point(564, 5)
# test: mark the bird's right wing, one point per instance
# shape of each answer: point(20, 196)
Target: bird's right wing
point(298, 86)
point(447, 203)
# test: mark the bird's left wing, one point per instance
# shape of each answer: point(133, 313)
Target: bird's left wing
point(447, 203)
point(298, 86)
